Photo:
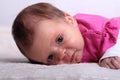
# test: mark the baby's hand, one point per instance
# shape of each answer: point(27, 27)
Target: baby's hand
point(111, 62)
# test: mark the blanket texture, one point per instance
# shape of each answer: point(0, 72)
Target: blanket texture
point(26, 71)
point(14, 66)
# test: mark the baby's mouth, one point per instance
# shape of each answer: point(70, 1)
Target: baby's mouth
point(72, 58)
point(75, 58)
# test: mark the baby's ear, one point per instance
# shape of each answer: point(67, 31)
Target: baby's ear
point(70, 19)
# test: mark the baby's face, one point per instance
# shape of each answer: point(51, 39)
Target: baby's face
point(57, 42)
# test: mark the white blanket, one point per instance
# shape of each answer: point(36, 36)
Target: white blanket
point(14, 66)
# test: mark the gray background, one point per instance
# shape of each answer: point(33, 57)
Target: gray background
point(10, 8)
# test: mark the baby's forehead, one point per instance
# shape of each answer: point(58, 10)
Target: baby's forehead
point(48, 26)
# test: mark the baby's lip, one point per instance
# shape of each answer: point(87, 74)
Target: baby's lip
point(72, 57)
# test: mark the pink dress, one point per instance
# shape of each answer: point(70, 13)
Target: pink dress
point(99, 34)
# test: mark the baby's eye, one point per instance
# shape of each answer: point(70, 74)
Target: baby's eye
point(59, 39)
point(50, 58)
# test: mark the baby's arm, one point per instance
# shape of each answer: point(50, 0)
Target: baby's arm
point(111, 62)
point(111, 58)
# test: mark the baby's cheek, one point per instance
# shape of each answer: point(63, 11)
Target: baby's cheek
point(79, 57)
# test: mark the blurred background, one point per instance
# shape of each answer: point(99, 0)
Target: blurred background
point(10, 8)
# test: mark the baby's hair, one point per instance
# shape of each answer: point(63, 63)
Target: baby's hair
point(27, 20)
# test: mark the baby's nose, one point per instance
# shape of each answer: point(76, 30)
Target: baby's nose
point(61, 54)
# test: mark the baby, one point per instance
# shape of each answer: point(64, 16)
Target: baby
point(47, 35)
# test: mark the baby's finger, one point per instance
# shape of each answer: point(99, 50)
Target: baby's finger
point(104, 64)
point(110, 64)
point(118, 59)
point(116, 63)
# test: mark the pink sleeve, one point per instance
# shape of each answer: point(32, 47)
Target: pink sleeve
point(99, 32)
point(111, 32)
